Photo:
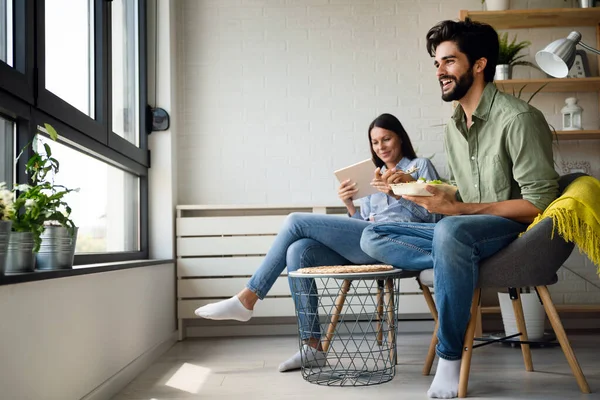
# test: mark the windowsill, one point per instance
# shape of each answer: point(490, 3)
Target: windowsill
point(86, 269)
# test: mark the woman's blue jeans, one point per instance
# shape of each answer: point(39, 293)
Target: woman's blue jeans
point(454, 248)
point(310, 240)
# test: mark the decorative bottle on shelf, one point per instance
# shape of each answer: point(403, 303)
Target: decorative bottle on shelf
point(571, 115)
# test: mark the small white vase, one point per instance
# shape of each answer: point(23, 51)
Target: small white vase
point(497, 5)
point(533, 312)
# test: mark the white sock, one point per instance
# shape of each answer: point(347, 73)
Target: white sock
point(227, 309)
point(445, 383)
point(312, 358)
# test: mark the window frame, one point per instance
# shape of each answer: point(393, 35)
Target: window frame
point(98, 128)
point(115, 141)
point(82, 143)
point(19, 79)
point(24, 99)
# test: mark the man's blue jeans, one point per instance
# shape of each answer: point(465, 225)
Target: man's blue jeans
point(310, 240)
point(453, 247)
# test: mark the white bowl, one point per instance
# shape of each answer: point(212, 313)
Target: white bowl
point(418, 188)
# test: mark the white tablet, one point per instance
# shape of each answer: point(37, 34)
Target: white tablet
point(361, 173)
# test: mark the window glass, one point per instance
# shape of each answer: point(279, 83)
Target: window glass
point(7, 134)
point(107, 207)
point(6, 31)
point(125, 70)
point(70, 52)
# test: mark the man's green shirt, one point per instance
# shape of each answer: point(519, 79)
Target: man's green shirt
point(505, 154)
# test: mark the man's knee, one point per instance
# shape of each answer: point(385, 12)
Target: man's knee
point(368, 240)
point(451, 231)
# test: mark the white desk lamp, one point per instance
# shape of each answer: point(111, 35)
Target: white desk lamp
point(558, 57)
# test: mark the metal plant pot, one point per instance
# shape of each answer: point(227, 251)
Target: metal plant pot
point(57, 249)
point(4, 235)
point(20, 256)
point(497, 5)
point(503, 72)
point(587, 3)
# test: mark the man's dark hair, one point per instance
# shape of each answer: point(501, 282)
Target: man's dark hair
point(475, 39)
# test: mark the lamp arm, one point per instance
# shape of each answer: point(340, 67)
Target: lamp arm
point(590, 48)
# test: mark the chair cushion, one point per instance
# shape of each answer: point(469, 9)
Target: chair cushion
point(426, 277)
point(531, 260)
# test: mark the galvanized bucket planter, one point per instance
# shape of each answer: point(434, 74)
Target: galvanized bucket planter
point(20, 256)
point(57, 249)
point(4, 235)
point(503, 72)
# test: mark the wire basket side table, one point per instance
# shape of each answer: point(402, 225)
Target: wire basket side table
point(357, 312)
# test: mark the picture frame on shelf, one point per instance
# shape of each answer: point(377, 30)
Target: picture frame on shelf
point(569, 167)
point(581, 67)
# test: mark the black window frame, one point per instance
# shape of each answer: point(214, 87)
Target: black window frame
point(19, 79)
point(24, 99)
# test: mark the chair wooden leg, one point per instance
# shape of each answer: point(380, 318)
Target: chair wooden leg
point(465, 364)
point(431, 352)
point(339, 304)
point(562, 338)
point(429, 300)
point(379, 312)
point(478, 325)
point(433, 343)
point(520, 319)
point(391, 317)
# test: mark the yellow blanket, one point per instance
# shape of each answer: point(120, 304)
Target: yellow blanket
point(576, 215)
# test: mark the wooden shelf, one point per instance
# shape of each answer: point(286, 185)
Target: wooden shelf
point(579, 135)
point(540, 18)
point(552, 85)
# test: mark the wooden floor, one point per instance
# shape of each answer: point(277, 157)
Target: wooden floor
point(246, 368)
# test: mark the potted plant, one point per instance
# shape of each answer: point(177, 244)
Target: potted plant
point(508, 56)
point(59, 236)
point(42, 229)
point(27, 219)
point(496, 5)
point(6, 206)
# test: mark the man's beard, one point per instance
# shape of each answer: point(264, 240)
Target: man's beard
point(461, 86)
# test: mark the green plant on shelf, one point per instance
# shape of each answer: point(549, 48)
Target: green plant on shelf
point(508, 53)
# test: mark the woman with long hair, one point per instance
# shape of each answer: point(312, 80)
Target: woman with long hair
point(308, 240)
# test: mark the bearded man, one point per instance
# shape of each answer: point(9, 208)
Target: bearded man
point(499, 151)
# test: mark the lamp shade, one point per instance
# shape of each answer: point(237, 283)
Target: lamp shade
point(558, 57)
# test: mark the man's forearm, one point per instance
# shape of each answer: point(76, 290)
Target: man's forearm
point(519, 210)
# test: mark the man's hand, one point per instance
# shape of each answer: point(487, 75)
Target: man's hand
point(441, 202)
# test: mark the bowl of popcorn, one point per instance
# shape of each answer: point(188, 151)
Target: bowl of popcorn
point(418, 187)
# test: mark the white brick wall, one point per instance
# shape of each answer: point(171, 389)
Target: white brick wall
point(276, 94)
